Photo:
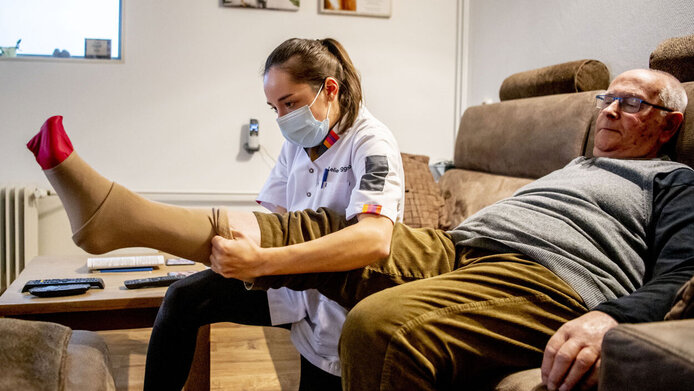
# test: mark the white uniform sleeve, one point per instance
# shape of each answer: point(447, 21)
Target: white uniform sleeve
point(274, 191)
point(379, 187)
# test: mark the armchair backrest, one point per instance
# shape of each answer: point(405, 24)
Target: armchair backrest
point(503, 146)
point(525, 138)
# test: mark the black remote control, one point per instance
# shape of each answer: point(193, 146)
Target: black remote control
point(152, 282)
point(59, 290)
point(92, 282)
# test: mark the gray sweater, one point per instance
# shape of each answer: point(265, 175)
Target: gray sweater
point(587, 222)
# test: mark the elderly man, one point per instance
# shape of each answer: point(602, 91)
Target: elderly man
point(603, 240)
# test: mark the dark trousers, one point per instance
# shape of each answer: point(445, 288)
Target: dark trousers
point(201, 299)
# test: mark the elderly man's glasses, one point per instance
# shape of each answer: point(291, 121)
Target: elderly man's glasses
point(627, 104)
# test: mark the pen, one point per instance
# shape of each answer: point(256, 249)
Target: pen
point(325, 179)
point(127, 269)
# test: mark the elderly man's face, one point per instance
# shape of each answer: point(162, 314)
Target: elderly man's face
point(632, 135)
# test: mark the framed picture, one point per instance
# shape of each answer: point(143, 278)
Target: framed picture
point(96, 48)
point(380, 8)
point(287, 5)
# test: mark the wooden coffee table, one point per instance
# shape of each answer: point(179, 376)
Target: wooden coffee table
point(112, 308)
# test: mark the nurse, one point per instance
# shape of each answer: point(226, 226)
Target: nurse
point(336, 155)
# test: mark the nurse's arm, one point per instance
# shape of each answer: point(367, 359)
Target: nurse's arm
point(353, 247)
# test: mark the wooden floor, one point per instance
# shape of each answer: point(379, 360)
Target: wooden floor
point(242, 358)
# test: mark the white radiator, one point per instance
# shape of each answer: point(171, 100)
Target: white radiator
point(18, 231)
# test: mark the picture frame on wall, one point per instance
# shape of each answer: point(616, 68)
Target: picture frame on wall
point(378, 8)
point(285, 5)
point(97, 48)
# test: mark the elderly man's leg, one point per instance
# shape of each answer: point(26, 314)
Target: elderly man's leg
point(415, 253)
point(448, 332)
point(105, 216)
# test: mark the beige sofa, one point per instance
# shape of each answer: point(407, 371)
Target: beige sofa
point(502, 146)
point(48, 356)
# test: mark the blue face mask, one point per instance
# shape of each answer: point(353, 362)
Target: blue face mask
point(300, 127)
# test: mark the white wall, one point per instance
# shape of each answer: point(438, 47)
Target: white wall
point(170, 117)
point(509, 36)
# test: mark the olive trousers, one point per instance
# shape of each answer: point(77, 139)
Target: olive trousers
point(429, 317)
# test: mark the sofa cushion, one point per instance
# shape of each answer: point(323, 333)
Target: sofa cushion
point(49, 356)
point(574, 76)
point(32, 355)
point(424, 205)
point(675, 56)
point(88, 365)
point(528, 380)
point(465, 192)
point(525, 138)
point(648, 356)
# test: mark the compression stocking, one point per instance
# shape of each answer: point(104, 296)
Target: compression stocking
point(105, 216)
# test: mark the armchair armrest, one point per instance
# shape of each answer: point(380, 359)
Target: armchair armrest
point(648, 356)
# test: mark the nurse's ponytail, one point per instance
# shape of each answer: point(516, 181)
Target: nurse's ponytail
point(312, 61)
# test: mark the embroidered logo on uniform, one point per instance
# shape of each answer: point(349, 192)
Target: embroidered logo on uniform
point(373, 209)
point(374, 178)
point(331, 139)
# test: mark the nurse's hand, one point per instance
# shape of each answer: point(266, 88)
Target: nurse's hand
point(239, 258)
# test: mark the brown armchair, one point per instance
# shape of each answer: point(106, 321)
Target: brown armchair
point(502, 146)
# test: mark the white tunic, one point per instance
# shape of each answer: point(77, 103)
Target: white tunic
point(360, 172)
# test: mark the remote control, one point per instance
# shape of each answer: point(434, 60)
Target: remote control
point(152, 282)
point(59, 290)
point(92, 282)
point(179, 261)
